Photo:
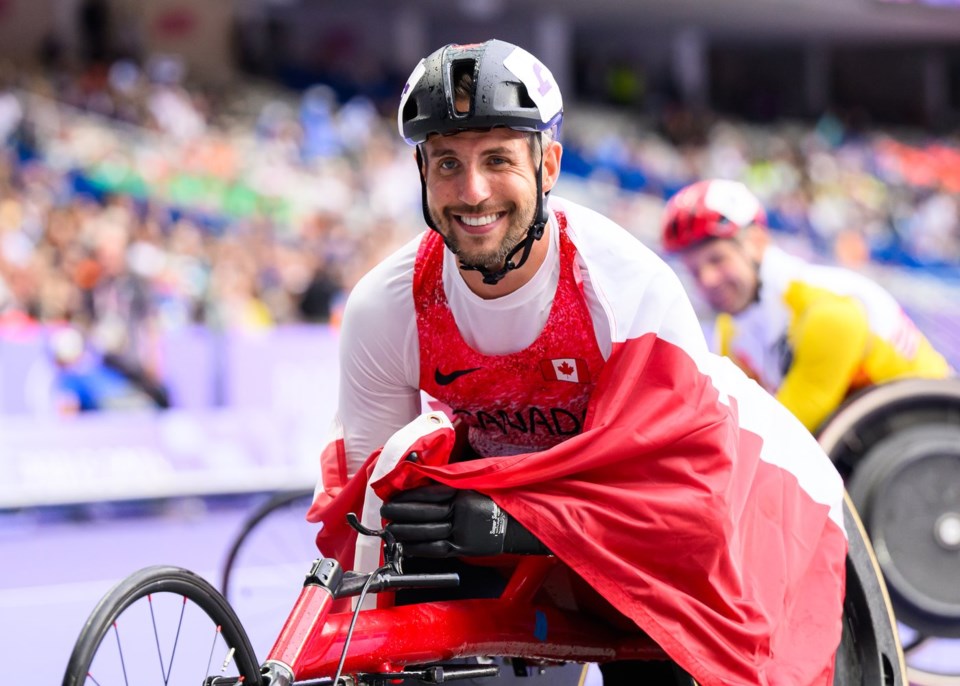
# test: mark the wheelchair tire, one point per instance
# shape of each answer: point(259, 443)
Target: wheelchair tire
point(278, 503)
point(862, 436)
point(266, 562)
point(878, 411)
point(869, 652)
point(145, 617)
point(905, 491)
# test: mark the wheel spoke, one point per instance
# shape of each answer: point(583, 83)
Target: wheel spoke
point(176, 640)
point(213, 646)
point(123, 665)
point(165, 672)
point(156, 636)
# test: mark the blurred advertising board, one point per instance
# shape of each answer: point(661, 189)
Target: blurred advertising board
point(250, 412)
point(122, 456)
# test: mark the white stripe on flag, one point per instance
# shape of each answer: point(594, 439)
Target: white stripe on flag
point(367, 556)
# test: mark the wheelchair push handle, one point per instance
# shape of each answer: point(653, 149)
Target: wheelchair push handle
point(326, 572)
point(352, 583)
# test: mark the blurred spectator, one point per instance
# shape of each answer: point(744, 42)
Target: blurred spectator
point(174, 112)
point(95, 29)
point(317, 299)
point(11, 114)
point(317, 113)
point(86, 380)
point(140, 205)
point(173, 108)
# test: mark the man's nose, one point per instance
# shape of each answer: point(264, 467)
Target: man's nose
point(474, 187)
point(708, 277)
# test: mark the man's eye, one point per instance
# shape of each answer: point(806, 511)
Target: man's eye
point(447, 164)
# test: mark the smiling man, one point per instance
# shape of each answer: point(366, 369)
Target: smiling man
point(591, 421)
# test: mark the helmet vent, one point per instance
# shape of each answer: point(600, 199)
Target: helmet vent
point(462, 75)
point(410, 110)
point(523, 97)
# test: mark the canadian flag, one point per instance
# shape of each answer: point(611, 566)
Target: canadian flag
point(565, 369)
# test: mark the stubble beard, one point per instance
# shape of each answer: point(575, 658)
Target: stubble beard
point(728, 304)
point(460, 244)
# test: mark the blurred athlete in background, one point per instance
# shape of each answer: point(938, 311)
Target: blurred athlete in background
point(810, 334)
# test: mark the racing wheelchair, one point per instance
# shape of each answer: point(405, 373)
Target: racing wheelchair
point(897, 445)
point(169, 625)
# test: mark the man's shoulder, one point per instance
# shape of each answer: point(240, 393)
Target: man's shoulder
point(587, 221)
point(637, 290)
point(786, 273)
point(597, 236)
point(387, 286)
point(605, 247)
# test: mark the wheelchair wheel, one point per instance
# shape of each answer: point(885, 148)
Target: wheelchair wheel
point(898, 447)
point(161, 625)
point(869, 652)
point(882, 410)
point(266, 562)
point(906, 490)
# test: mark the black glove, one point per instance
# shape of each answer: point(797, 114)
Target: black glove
point(440, 521)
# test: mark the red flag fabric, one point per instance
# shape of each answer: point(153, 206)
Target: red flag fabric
point(692, 502)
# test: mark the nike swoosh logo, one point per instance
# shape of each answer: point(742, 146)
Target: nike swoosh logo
point(447, 379)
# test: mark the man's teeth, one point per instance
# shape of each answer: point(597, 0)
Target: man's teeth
point(479, 221)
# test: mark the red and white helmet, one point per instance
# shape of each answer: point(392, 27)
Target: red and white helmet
point(716, 208)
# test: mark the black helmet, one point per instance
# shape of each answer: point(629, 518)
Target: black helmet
point(512, 89)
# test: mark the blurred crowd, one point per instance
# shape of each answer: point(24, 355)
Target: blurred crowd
point(852, 194)
point(133, 203)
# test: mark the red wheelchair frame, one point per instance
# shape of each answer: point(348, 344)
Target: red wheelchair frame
point(544, 614)
point(319, 644)
point(314, 639)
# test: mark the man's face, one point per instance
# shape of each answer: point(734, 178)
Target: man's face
point(482, 191)
point(724, 272)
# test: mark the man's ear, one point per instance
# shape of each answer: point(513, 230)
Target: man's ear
point(755, 240)
point(551, 165)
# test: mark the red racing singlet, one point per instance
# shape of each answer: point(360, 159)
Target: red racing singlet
point(520, 402)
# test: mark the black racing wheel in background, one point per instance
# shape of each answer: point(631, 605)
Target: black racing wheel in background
point(869, 653)
point(265, 563)
point(897, 446)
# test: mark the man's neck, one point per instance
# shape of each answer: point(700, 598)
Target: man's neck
point(514, 279)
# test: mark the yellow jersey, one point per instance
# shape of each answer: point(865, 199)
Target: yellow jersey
point(818, 333)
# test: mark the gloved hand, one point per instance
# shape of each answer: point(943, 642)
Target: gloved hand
point(440, 521)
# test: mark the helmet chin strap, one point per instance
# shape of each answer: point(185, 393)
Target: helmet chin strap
point(534, 233)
